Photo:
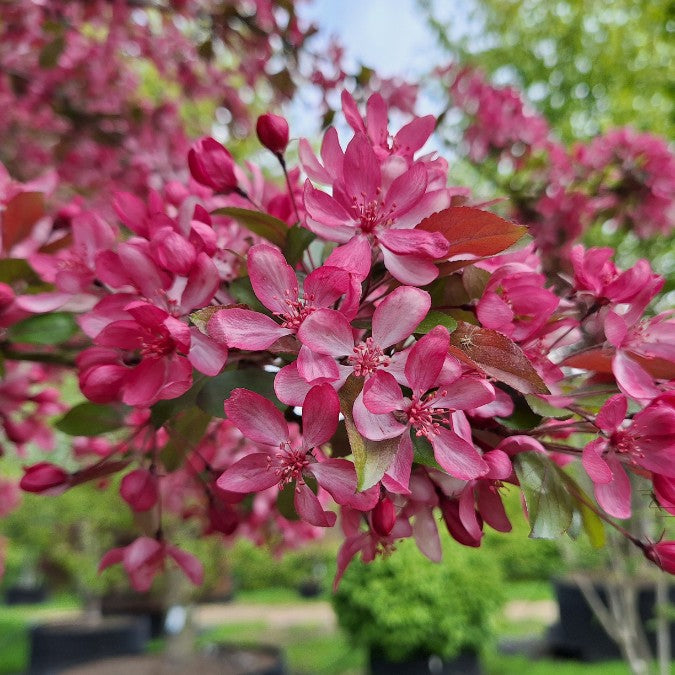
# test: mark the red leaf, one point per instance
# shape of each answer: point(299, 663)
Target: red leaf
point(21, 213)
point(600, 361)
point(497, 356)
point(471, 230)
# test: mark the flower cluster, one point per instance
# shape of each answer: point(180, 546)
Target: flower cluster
point(356, 348)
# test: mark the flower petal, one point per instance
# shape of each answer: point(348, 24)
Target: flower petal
point(256, 417)
point(397, 316)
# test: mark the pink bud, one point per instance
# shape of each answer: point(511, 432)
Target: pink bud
point(212, 165)
point(272, 132)
point(44, 478)
point(139, 490)
point(662, 553)
point(384, 517)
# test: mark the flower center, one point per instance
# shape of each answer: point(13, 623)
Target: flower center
point(298, 311)
point(290, 463)
point(156, 346)
point(424, 417)
point(367, 358)
point(625, 443)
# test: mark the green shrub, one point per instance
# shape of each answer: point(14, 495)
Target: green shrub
point(404, 605)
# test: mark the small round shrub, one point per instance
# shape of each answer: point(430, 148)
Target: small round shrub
point(403, 606)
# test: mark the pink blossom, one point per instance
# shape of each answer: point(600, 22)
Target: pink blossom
point(145, 558)
point(45, 478)
point(276, 286)
point(262, 423)
point(429, 411)
point(647, 442)
point(272, 132)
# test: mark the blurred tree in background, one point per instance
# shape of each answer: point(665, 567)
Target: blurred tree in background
point(587, 65)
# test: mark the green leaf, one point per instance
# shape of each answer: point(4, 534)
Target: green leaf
point(91, 419)
point(371, 458)
point(474, 281)
point(216, 389)
point(242, 291)
point(49, 56)
point(549, 504)
point(541, 407)
point(424, 451)
point(435, 318)
point(165, 410)
point(259, 223)
point(286, 497)
point(185, 432)
point(522, 417)
point(297, 241)
point(590, 521)
point(44, 329)
point(17, 269)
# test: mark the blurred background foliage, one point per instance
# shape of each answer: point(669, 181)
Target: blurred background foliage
point(587, 65)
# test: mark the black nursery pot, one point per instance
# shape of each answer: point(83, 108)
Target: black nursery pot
point(466, 663)
point(57, 646)
point(25, 595)
point(579, 635)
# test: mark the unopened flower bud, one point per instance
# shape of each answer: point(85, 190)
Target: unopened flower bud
point(212, 165)
point(662, 553)
point(272, 132)
point(44, 478)
point(384, 517)
point(139, 489)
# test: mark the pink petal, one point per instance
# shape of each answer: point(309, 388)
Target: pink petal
point(406, 191)
point(615, 329)
point(325, 285)
point(614, 497)
point(112, 557)
point(499, 463)
point(491, 507)
point(131, 211)
point(327, 210)
point(348, 550)
point(466, 393)
point(612, 414)
point(144, 382)
point(272, 278)
point(338, 477)
point(397, 477)
point(289, 386)
point(415, 242)
point(309, 508)
point(202, 284)
point(361, 170)
point(596, 467)
point(382, 394)
point(351, 112)
point(256, 417)
point(415, 134)
point(375, 427)
point(426, 359)
point(633, 379)
point(139, 489)
point(311, 164)
point(332, 154)
point(376, 119)
point(190, 565)
point(354, 257)
point(326, 331)
point(426, 536)
point(409, 269)
point(493, 312)
point(205, 355)
point(457, 457)
point(467, 513)
point(316, 368)
point(320, 412)
point(245, 329)
point(252, 473)
point(397, 316)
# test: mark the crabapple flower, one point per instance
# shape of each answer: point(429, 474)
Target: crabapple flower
point(429, 410)
point(144, 558)
point(365, 211)
point(648, 442)
point(145, 357)
point(212, 165)
point(276, 286)
point(261, 422)
point(328, 332)
point(139, 489)
point(649, 338)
